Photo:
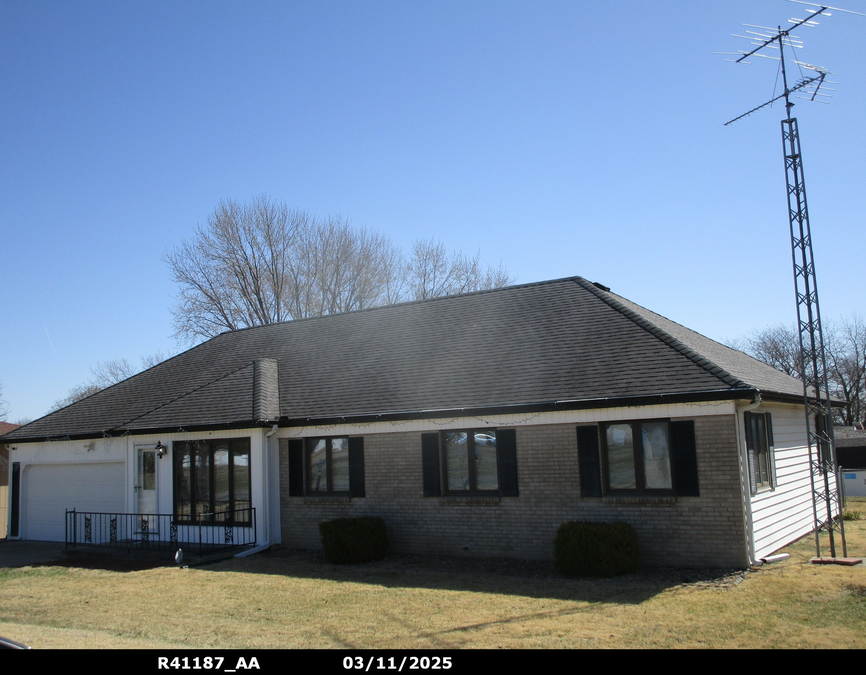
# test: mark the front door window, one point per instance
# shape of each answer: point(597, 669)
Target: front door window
point(145, 484)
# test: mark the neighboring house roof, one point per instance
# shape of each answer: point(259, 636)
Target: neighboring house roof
point(849, 437)
point(6, 427)
point(557, 344)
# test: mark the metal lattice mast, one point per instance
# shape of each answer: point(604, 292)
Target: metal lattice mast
point(826, 497)
point(826, 502)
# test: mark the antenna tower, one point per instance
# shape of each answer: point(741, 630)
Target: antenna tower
point(826, 497)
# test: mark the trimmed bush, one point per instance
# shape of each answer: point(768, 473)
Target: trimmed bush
point(354, 540)
point(595, 549)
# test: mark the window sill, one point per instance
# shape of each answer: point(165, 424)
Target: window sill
point(326, 499)
point(640, 500)
point(470, 501)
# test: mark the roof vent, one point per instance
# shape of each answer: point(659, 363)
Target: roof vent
point(601, 286)
point(266, 390)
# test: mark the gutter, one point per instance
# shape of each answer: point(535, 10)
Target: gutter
point(270, 476)
point(547, 406)
point(727, 394)
point(267, 500)
point(253, 551)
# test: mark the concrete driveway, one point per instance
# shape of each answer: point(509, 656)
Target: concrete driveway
point(22, 553)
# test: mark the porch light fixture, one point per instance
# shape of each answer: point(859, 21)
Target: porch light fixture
point(160, 449)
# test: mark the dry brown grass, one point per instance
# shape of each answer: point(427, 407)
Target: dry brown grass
point(298, 601)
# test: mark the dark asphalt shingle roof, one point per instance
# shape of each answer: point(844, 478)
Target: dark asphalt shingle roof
point(555, 341)
point(849, 437)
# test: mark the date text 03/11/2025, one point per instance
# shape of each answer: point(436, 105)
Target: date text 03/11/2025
point(390, 663)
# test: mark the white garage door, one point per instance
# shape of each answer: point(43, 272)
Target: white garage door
point(48, 490)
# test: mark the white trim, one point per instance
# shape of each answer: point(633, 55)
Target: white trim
point(591, 416)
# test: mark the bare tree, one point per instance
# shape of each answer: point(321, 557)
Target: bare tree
point(260, 263)
point(778, 346)
point(104, 374)
point(845, 350)
point(337, 268)
point(4, 406)
point(433, 272)
point(77, 393)
point(236, 270)
point(154, 359)
point(845, 347)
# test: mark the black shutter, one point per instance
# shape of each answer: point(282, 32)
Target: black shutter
point(684, 460)
point(506, 458)
point(16, 499)
point(430, 463)
point(588, 461)
point(771, 448)
point(356, 466)
point(296, 467)
point(750, 451)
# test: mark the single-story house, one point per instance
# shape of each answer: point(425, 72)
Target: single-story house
point(473, 424)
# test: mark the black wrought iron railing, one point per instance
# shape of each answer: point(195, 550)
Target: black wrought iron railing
point(160, 531)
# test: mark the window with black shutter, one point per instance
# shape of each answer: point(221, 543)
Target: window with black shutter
point(638, 457)
point(470, 462)
point(326, 466)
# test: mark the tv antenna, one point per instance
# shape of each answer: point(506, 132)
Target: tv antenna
point(824, 478)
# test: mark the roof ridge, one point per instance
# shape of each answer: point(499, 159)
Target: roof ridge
point(405, 303)
point(663, 335)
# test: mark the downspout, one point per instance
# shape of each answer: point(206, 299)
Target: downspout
point(745, 489)
point(265, 545)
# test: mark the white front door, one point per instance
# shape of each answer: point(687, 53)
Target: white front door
point(145, 482)
point(145, 486)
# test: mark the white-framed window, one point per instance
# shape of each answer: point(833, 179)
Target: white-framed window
point(759, 442)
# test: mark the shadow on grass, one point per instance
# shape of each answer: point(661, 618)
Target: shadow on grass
point(532, 579)
point(108, 563)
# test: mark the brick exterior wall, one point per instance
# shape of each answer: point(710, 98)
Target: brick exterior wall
point(705, 531)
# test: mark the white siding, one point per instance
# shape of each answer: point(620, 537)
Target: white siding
point(784, 513)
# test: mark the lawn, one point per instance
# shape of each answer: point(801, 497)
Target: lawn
point(295, 600)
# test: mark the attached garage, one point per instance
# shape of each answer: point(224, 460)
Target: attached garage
point(48, 490)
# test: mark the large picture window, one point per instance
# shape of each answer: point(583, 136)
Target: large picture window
point(637, 457)
point(212, 481)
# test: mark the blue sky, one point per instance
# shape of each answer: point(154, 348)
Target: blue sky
point(561, 138)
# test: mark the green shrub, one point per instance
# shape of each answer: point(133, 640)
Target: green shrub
point(354, 540)
point(595, 549)
point(851, 514)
